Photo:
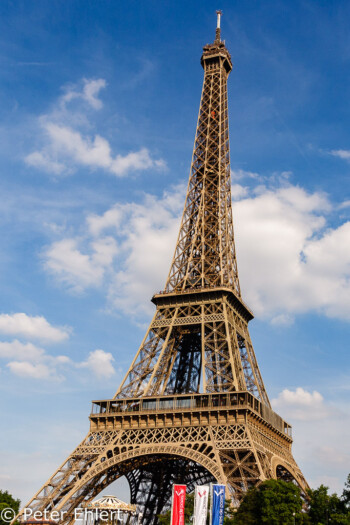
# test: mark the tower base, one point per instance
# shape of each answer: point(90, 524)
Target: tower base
point(230, 438)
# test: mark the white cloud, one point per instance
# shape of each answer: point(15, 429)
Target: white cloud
point(242, 174)
point(24, 359)
point(100, 364)
point(300, 404)
point(64, 148)
point(89, 93)
point(341, 153)
point(321, 432)
point(110, 219)
point(148, 232)
point(30, 361)
point(290, 259)
point(104, 250)
point(23, 351)
point(137, 266)
point(282, 320)
point(79, 270)
point(40, 160)
point(238, 191)
point(32, 327)
point(34, 371)
point(96, 152)
point(343, 205)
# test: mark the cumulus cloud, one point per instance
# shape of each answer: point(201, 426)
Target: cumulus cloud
point(238, 191)
point(100, 363)
point(135, 255)
point(45, 162)
point(300, 404)
point(321, 433)
point(30, 361)
point(32, 327)
point(27, 360)
point(240, 174)
point(149, 234)
point(282, 320)
point(18, 350)
point(89, 92)
point(290, 259)
point(343, 205)
point(64, 148)
point(35, 371)
point(79, 270)
point(111, 219)
point(341, 153)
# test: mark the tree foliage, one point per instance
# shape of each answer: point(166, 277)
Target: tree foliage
point(276, 502)
point(8, 501)
point(273, 502)
point(346, 493)
point(324, 508)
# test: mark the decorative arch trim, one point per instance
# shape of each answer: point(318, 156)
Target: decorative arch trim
point(172, 450)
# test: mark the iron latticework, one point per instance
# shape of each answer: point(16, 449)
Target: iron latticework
point(193, 407)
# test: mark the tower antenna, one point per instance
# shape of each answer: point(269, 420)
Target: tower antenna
point(218, 23)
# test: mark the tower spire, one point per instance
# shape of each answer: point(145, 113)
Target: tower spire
point(205, 255)
point(218, 26)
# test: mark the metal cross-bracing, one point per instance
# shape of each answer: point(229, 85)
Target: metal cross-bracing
point(151, 485)
point(232, 438)
point(193, 407)
point(196, 342)
point(205, 250)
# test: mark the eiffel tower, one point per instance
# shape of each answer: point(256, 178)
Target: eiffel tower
point(193, 406)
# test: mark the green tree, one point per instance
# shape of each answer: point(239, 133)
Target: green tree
point(324, 508)
point(274, 502)
point(249, 510)
point(230, 514)
point(346, 493)
point(8, 501)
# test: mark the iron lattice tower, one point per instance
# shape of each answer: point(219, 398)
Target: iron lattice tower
point(193, 407)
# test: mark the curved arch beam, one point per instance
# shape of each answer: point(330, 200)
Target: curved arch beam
point(123, 457)
point(295, 473)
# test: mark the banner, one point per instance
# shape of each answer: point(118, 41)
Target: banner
point(178, 505)
point(201, 499)
point(218, 504)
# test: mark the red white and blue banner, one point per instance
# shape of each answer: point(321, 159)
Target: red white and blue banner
point(201, 499)
point(178, 505)
point(217, 504)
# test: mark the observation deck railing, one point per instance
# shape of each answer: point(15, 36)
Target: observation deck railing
point(190, 402)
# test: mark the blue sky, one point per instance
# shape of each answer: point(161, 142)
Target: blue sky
point(98, 107)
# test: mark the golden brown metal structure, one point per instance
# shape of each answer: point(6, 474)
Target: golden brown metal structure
point(193, 407)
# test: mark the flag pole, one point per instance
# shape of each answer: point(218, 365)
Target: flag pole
point(194, 506)
point(172, 505)
point(211, 504)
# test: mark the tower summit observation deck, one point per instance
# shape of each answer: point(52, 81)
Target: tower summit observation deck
point(192, 407)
